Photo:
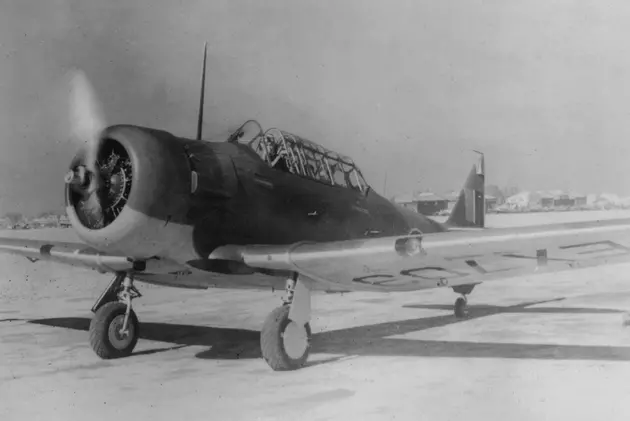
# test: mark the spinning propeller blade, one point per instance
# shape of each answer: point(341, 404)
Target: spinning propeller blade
point(87, 119)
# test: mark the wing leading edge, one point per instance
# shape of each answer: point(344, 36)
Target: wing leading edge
point(444, 259)
point(78, 254)
point(75, 254)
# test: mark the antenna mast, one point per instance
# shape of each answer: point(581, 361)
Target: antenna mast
point(203, 91)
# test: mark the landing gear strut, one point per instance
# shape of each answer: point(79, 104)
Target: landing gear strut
point(114, 329)
point(285, 338)
point(461, 304)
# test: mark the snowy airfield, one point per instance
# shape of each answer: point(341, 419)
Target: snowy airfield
point(550, 346)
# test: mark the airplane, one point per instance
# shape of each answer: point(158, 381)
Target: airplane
point(267, 209)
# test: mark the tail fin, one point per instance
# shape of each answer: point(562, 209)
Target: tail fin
point(470, 208)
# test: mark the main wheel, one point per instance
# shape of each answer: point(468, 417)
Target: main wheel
point(105, 336)
point(284, 343)
point(461, 308)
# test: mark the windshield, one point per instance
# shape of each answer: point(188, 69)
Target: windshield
point(247, 132)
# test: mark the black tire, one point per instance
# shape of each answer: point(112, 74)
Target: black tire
point(104, 327)
point(272, 341)
point(461, 308)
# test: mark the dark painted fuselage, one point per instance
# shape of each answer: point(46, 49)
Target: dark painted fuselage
point(271, 206)
point(200, 195)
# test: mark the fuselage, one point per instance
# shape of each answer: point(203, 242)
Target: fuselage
point(272, 206)
point(188, 197)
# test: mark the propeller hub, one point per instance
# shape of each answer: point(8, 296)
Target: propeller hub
point(77, 177)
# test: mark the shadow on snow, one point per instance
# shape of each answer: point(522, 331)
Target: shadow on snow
point(374, 339)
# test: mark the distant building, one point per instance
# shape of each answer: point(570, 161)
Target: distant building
point(579, 199)
point(425, 203)
point(64, 222)
point(491, 202)
point(431, 204)
point(563, 201)
point(406, 200)
point(546, 202)
point(551, 199)
point(452, 198)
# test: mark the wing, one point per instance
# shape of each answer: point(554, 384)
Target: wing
point(450, 259)
point(78, 254)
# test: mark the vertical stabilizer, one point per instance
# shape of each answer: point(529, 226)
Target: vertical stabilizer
point(470, 208)
point(203, 92)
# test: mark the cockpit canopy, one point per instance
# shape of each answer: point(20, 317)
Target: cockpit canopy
point(296, 155)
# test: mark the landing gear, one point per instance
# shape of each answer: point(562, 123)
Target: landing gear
point(114, 329)
point(285, 338)
point(461, 307)
point(461, 304)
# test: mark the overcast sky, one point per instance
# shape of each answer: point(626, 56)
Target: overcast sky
point(406, 88)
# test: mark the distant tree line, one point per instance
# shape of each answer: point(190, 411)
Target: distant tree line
point(502, 193)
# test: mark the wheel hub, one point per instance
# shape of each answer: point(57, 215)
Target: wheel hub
point(295, 339)
point(120, 339)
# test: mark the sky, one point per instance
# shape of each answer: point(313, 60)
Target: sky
point(406, 88)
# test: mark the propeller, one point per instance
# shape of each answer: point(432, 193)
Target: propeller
point(87, 119)
point(87, 122)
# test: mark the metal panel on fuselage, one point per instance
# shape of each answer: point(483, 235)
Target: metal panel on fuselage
point(291, 208)
point(216, 187)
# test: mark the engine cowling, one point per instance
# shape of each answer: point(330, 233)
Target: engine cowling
point(141, 208)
